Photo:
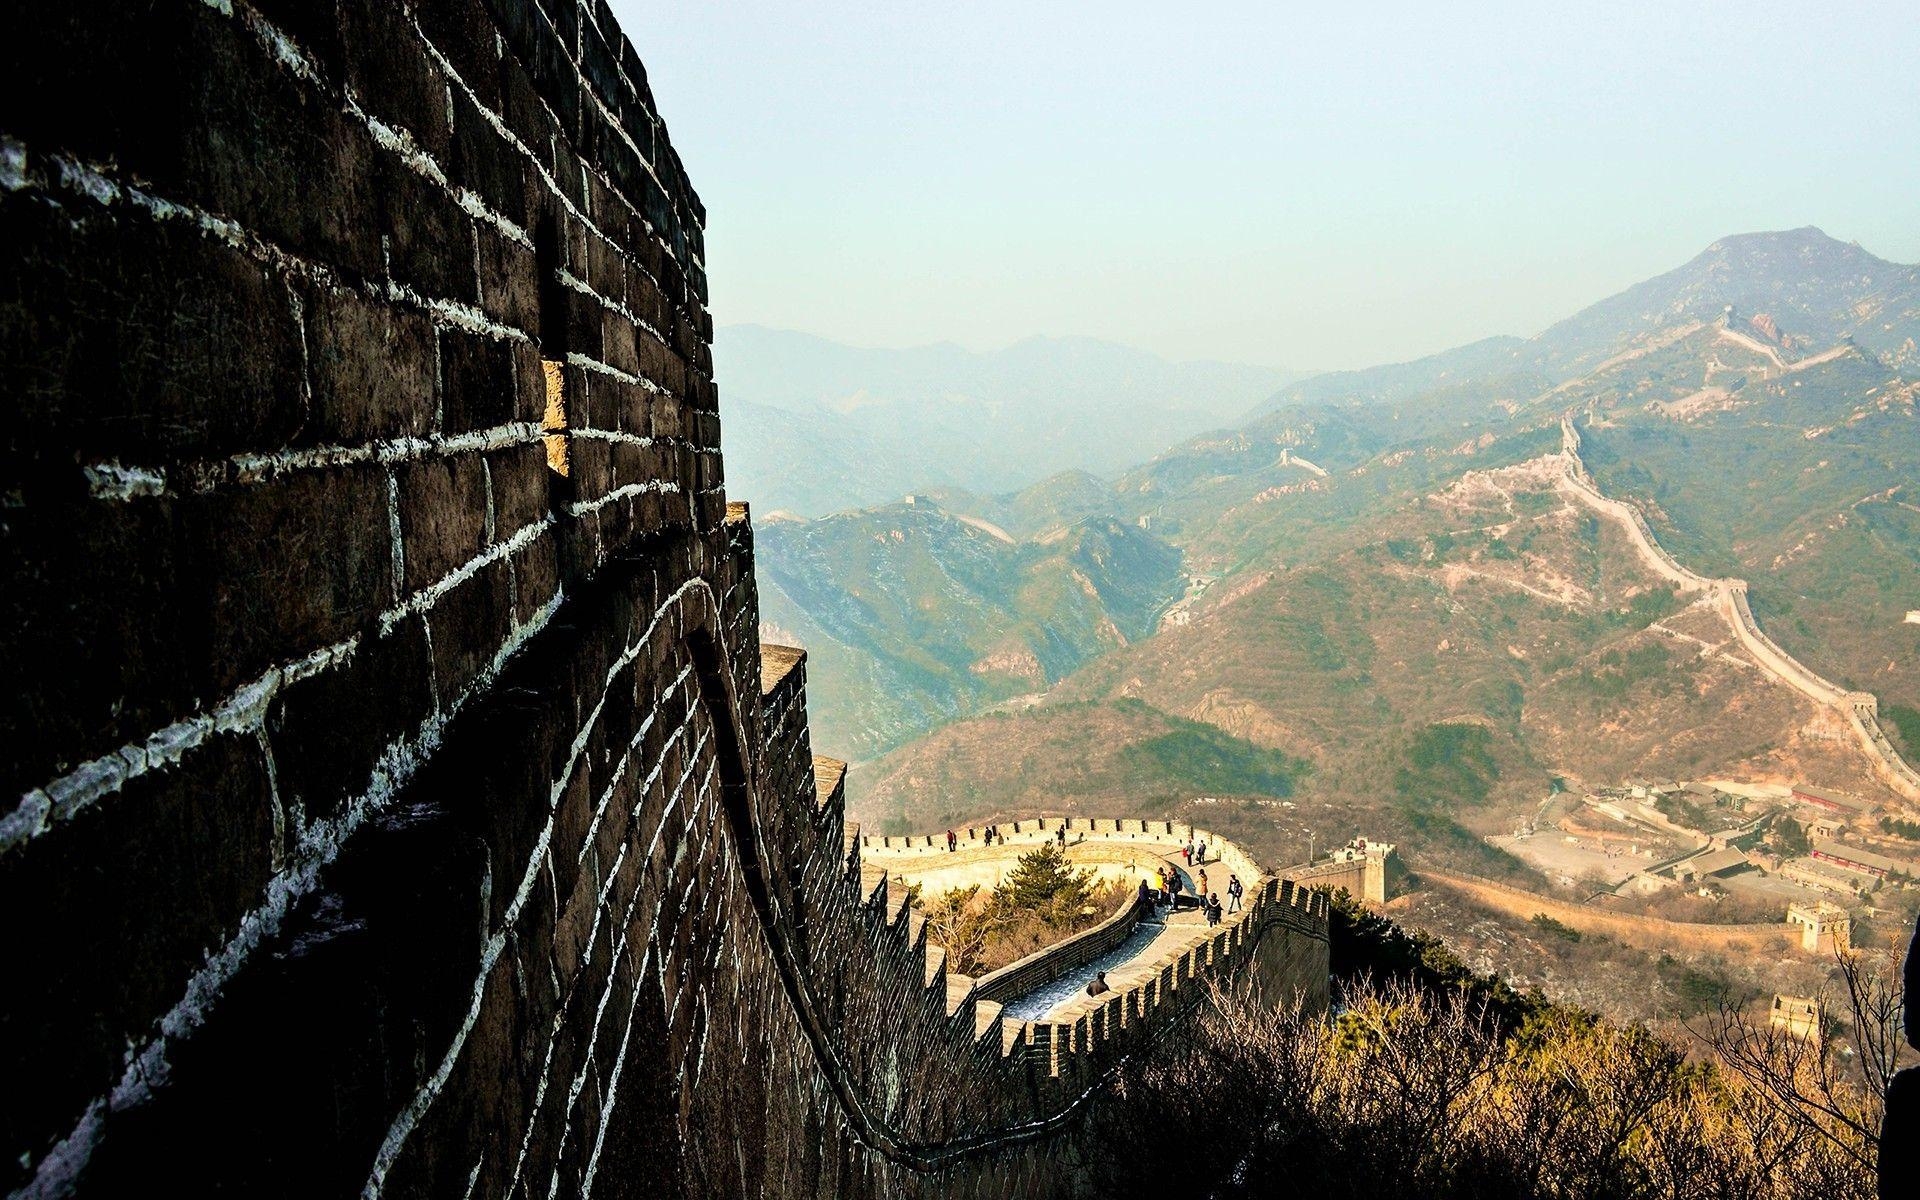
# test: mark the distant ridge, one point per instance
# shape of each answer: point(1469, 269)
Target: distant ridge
point(815, 426)
point(1819, 287)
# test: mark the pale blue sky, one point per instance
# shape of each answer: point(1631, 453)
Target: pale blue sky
point(1320, 186)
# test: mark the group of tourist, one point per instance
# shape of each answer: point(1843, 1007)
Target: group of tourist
point(1173, 883)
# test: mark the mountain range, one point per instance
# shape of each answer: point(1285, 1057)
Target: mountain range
point(1383, 578)
point(814, 426)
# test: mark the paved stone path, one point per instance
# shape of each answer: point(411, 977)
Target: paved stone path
point(1155, 943)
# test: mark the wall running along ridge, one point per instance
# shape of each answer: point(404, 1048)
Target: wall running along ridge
point(397, 799)
point(896, 863)
point(1861, 710)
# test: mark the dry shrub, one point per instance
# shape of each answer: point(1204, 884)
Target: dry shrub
point(1412, 1091)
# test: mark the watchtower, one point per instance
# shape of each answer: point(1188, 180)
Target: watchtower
point(1824, 927)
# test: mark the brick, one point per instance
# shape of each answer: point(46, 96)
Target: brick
point(370, 367)
point(536, 573)
point(546, 58)
point(462, 31)
point(292, 565)
point(669, 421)
point(426, 238)
point(592, 468)
point(606, 267)
point(509, 281)
point(568, 174)
point(565, 15)
point(115, 908)
point(197, 109)
point(477, 381)
point(593, 400)
point(617, 346)
point(630, 463)
point(393, 76)
point(314, 27)
point(469, 625)
point(228, 128)
point(529, 383)
point(98, 610)
point(584, 316)
point(525, 113)
point(329, 730)
point(443, 510)
point(599, 66)
point(140, 340)
point(485, 163)
point(647, 302)
point(659, 363)
point(521, 488)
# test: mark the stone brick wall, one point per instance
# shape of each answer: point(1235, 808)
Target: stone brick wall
point(388, 812)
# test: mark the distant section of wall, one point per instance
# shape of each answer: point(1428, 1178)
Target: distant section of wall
point(1368, 871)
point(398, 801)
point(1131, 850)
point(1729, 597)
point(1653, 933)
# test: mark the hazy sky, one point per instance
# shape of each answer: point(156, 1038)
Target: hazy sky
point(1312, 185)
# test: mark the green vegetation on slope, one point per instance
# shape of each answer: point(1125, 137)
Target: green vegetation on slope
point(1215, 761)
point(915, 615)
point(1903, 724)
point(1448, 765)
point(1797, 484)
point(1116, 757)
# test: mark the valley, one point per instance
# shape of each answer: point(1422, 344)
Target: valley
point(1667, 538)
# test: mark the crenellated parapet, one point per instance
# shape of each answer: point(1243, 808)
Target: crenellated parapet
point(1169, 976)
point(401, 800)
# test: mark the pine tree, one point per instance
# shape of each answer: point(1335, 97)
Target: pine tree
point(1045, 882)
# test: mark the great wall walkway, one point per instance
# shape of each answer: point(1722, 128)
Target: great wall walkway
point(1041, 1000)
point(1728, 597)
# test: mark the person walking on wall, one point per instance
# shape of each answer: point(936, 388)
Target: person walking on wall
point(1099, 985)
point(1062, 835)
point(1188, 851)
point(1234, 891)
point(1202, 889)
point(1201, 851)
point(1213, 910)
point(951, 841)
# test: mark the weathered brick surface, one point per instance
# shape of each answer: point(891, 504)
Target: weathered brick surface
point(369, 369)
point(387, 813)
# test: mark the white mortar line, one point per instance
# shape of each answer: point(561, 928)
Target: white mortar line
point(617, 949)
point(430, 595)
point(409, 1117)
point(146, 1064)
point(582, 508)
point(575, 283)
point(576, 359)
point(241, 711)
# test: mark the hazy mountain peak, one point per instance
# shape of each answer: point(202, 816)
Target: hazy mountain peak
point(1809, 284)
